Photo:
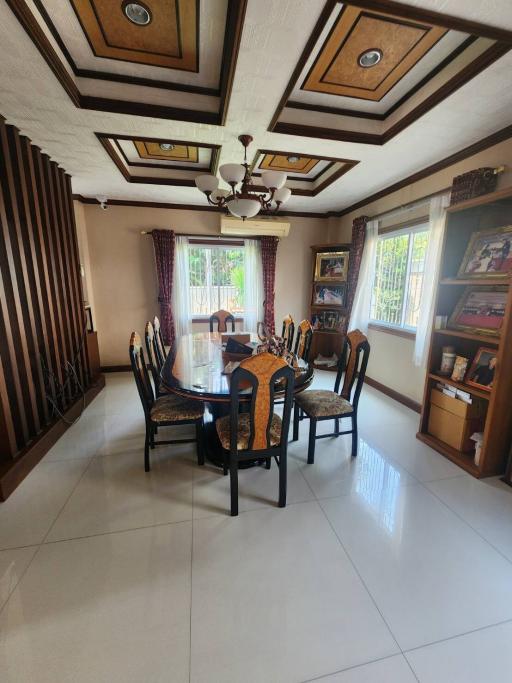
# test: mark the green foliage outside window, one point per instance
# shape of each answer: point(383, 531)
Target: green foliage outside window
point(216, 276)
point(398, 278)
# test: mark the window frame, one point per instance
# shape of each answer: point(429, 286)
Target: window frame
point(213, 243)
point(411, 228)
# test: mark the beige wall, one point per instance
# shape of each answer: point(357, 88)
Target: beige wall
point(391, 356)
point(122, 273)
point(120, 277)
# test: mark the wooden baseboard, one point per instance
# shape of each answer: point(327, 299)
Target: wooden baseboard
point(115, 368)
point(397, 396)
point(14, 472)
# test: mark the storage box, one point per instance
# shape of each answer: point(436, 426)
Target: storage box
point(457, 406)
point(454, 421)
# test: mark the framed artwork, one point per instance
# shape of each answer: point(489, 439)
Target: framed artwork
point(480, 310)
point(482, 370)
point(489, 254)
point(329, 295)
point(331, 266)
point(328, 320)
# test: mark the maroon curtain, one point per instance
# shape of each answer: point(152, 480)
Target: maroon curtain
point(473, 184)
point(354, 264)
point(164, 242)
point(268, 259)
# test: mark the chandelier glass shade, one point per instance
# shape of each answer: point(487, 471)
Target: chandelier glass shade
point(244, 201)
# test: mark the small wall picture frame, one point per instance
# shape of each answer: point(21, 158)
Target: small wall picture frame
point(331, 266)
point(483, 369)
point(489, 254)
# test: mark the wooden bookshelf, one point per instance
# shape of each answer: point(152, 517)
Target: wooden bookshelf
point(482, 338)
point(325, 342)
point(488, 281)
point(480, 393)
point(482, 213)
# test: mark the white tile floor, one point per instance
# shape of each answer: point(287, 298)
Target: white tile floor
point(392, 568)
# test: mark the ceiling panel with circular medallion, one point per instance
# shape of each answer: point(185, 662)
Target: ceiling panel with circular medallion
point(155, 32)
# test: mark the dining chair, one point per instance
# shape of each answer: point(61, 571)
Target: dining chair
point(160, 352)
point(166, 411)
point(319, 404)
point(257, 434)
point(154, 364)
point(304, 339)
point(288, 331)
point(222, 318)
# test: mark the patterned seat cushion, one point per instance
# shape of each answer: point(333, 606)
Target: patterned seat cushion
point(244, 431)
point(175, 408)
point(323, 403)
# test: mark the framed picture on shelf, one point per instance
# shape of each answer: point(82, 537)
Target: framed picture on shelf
point(482, 370)
point(331, 266)
point(329, 295)
point(330, 321)
point(480, 310)
point(489, 254)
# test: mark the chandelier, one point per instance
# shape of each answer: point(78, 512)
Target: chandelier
point(244, 202)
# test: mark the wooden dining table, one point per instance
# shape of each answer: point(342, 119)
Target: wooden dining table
point(195, 368)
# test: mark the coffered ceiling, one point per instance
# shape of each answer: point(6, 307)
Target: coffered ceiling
point(307, 175)
point(158, 161)
point(367, 72)
point(346, 98)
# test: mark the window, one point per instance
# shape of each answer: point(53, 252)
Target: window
point(216, 278)
point(399, 266)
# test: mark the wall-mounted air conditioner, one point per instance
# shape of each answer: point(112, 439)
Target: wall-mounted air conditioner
point(254, 227)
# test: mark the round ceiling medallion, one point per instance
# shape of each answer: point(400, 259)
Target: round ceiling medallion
point(292, 159)
point(369, 58)
point(137, 13)
point(166, 146)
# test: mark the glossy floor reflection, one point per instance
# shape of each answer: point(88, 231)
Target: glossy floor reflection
point(390, 568)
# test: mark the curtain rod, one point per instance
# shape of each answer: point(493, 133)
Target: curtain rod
point(408, 207)
point(188, 234)
point(217, 238)
point(425, 199)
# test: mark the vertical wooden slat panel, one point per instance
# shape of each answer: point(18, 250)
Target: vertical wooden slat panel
point(68, 279)
point(43, 255)
point(8, 442)
point(78, 275)
point(15, 289)
point(39, 274)
point(62, 276)
point(30, 299)
point(74, 270)
point(62, 340)
point(41, 307)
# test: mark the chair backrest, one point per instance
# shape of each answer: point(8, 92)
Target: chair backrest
point(149, 337)
point(140, 372)
point(353, 362)
point(304, 339)
point(158, 345)
point(222, 318)
point(261, 372)
point(288, 331)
